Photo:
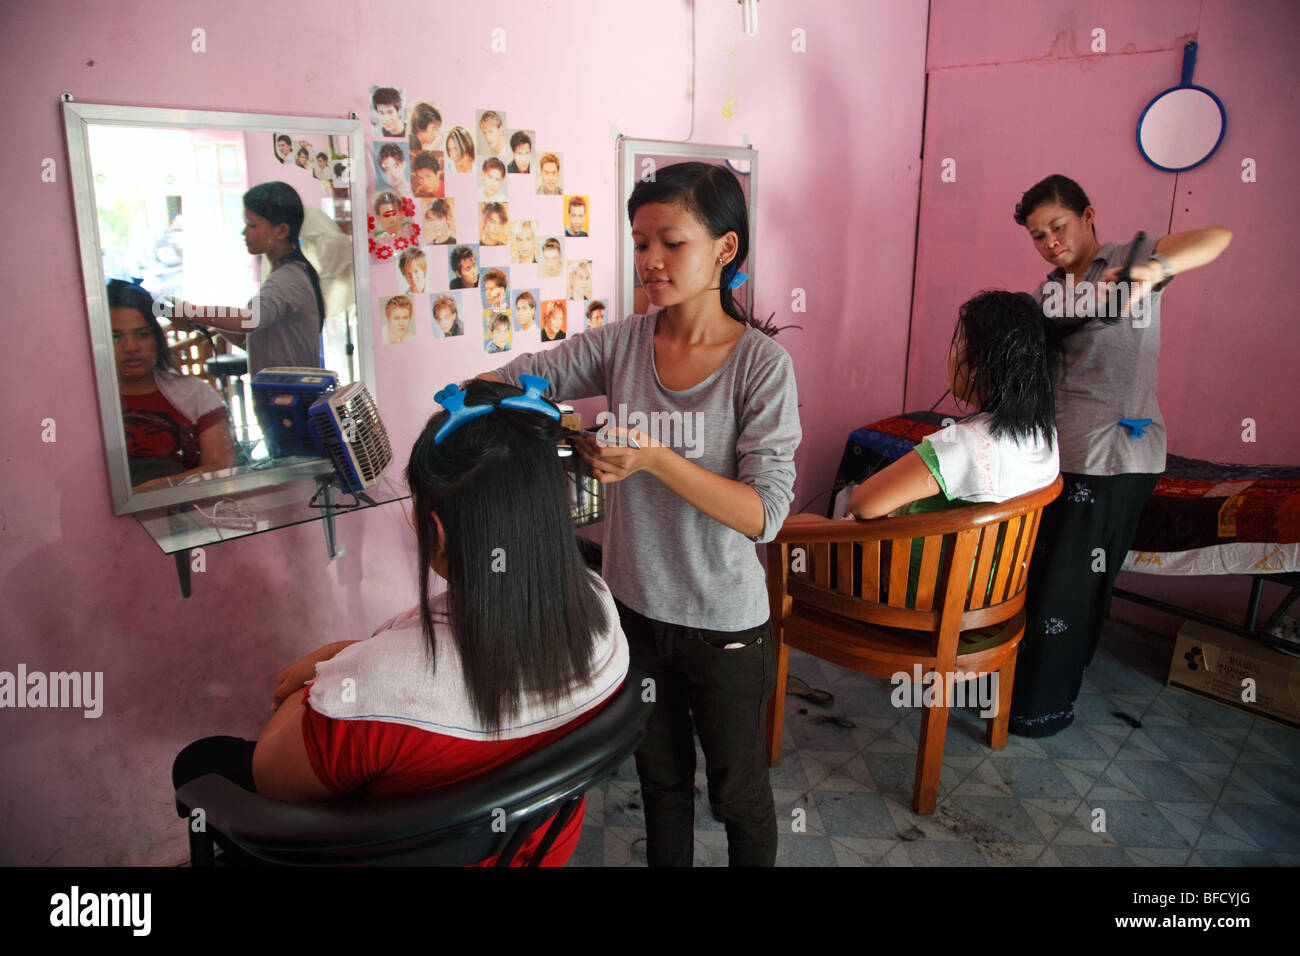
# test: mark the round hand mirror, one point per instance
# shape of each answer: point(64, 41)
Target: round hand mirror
point(1183, 126)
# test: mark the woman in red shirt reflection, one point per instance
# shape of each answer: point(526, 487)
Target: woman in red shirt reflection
point(175, 425)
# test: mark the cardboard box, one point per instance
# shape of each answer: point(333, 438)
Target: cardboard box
point(1213, 663)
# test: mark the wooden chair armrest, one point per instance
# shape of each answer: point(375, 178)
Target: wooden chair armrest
point(810, 528)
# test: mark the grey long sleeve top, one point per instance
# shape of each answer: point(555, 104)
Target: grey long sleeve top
point(662, 557)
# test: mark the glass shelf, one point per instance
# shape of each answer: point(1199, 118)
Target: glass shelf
point(179, 529)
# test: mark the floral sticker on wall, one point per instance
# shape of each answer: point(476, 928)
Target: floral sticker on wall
point(392, 225)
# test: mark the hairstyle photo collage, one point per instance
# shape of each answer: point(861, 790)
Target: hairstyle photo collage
point(324, 158)
point(472, 230)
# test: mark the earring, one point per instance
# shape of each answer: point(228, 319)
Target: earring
point(721, 259)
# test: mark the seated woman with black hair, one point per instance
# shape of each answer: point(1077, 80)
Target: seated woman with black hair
point(1003, 364)
point(175, 425)
point(522, 647)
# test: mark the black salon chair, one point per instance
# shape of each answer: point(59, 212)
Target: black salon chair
point(456, 825)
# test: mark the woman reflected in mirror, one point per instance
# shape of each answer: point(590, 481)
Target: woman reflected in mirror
point(175, 425)
point(281, 326)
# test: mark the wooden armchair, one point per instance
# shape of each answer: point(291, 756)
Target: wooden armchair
point(839, 591)
point(190, 353)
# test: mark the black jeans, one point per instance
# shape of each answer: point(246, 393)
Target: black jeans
point(1068, 596)
point(726, 690)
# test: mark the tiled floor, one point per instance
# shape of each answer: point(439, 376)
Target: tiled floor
point(1196, 784)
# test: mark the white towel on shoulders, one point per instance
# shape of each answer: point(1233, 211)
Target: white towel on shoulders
point(390, 678)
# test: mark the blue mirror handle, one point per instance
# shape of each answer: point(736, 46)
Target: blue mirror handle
point(1189, 62)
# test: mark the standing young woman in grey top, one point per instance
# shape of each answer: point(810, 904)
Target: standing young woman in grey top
point(682, 515)
point(1110, 432)
point(288, 312)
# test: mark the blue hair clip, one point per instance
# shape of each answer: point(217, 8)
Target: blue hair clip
point(1135, 426)
point(531, 400)
point(738, 280)
point(452, 398)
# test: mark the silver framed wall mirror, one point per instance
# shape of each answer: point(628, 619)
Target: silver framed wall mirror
point(641, 159)
point(162, 224)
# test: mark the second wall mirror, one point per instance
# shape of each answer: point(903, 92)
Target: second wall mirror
point(641, 158)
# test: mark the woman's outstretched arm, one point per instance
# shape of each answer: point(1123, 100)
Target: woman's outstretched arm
point(899, 484)
point(1184, 250)
point(1191, 250)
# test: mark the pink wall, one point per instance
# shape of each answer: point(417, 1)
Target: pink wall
point(998, 74)
point(81, 589)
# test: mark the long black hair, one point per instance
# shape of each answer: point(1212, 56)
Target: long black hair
point(279, 203)
point(523, 606)
point(131, 295)
point(1013, 357)
point(714, 196)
